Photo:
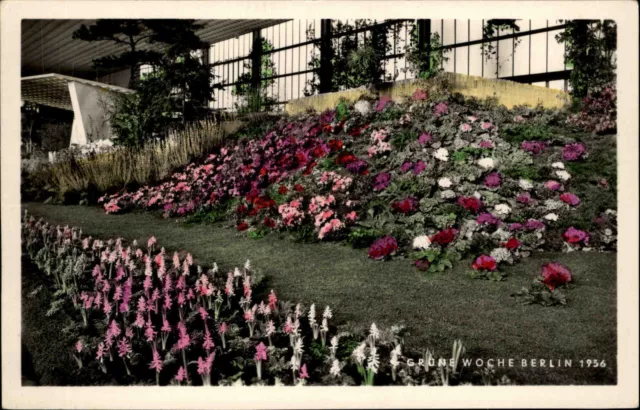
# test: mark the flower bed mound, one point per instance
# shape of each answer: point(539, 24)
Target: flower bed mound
point(466, 178)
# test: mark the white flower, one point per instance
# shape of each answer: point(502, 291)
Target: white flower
point(215, 268)
point(395, 353)
point(477, 195)
point(374, 332)
point(501, 254)
point(502, 209)
point(444, 182)
point(297, 348)
point(334, 345)
point(374, 360)
point(327, 313)
point(525, 184)
point(335, 368)
point(608, 232)
point(236, 273)
point(312, 314)
point(563, 175)
point(421, 242)
point(442, 154)
point(551, 217)
point(247, 265)
point(358, 353)
point(502, 234)
point(552, 204)
point(558, 165)
point(486, 163)
point(448, 194)
point(610, 212)
point(325, 326)
point(363, 107)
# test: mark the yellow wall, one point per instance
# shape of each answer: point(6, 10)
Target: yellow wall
point(508, 93)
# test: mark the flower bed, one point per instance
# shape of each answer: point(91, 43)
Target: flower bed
point(465, 177)
point(160, 318)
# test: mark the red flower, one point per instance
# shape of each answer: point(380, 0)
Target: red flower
point(263, 171)
point(263, 202)
point(383, 247)
point(470, 203)
point(485, 262)
point(241, 210)
point(444, 237)
point(555, 275)
point(283, 190)
point(269, 223)
point(345, 158)
point(309, 168)
point(573, 235)
point(298, 188)
point(242, 226)
point(569, 198)
point(405, 206)
point(512, 244)
point(253, 212)
point(335, 145)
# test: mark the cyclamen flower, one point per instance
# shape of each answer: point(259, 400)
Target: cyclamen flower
point(512, 244)
point(493, 180)
point(470, 203)
point(405, 206)
point(486, 144)
point(383, 248)
point(465, 127)
point(424, 138)
point(486, 163)
point(381, 181)
point(552, 185)
point(533, 224)
point(525, 198)
point(444, 182)
point(573, 235)
point(419, 167)
point(444, 237)
point(533, 147)
point(484, 262)
point(487, 218)
point(303, 372)
point(555, 275)
point(442, 154)
point(406, 166)
point(441, 109)
point(573, 152)
point(570, 199)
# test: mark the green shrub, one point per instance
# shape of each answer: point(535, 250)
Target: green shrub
point(362, 238)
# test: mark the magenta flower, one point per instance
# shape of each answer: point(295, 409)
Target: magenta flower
point(573, 235)
point(419, 167)
point(441, 109)
point(552, 185)
point(555, 275)
point(382, 103)
point(525, 198)
point(569, 198)
point(406, 166)
point(273, 300)
point(261, 352)
point(573, 152)
point(181, 375)
point(486, 125)
point(486, 144)
point(493, 180)
point(487, 218)
point(381, 181)
point(383, 248)
point(424, 138)
point(156, 362)
point(533, 147)
point(124, 347)
point(419, 94)
point(533, 224)
point(485, 262)
point(303, 372)
point(207, 344)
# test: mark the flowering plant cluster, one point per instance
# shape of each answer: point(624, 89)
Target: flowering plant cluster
point(476, 180)
point(161, 318)
point(597, 112)
point(549, 287)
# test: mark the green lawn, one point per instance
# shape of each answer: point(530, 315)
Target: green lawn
point(435, 308)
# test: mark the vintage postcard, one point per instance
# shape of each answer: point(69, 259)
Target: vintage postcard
point(321, 204)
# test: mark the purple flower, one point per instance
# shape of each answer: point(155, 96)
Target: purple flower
point(406, 166)
point(552, 185)
point(419, 167)
point(441, 109)
point(357, 167)
point(533, 224)
point(573, 152)
point(486, 144)
point(571, 199)
point(573, 235)
point(493, 180)
point(381, 181)
point(425, 138)
point(533, 147)
point(516, 226)
point(487, 218)
point(383, 248)
point(524, 198)
point(327, 117)
point(382, 103)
